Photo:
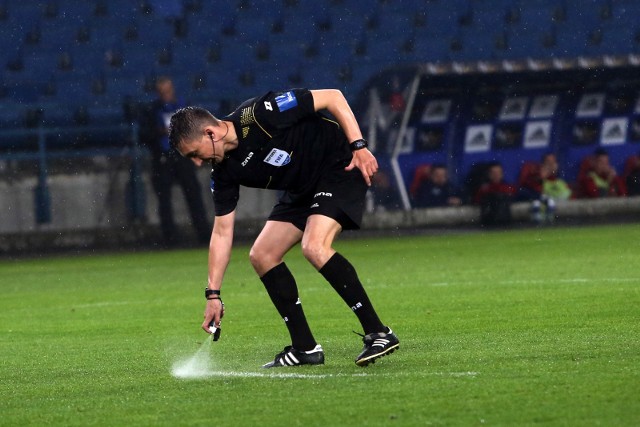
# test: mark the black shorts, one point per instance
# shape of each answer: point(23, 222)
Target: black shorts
point(339, 195)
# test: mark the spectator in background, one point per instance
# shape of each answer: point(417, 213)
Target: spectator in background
point(494, 184)
point(544, 188)
point(437, 191)
point(553, 187)
point(602, 180)
point(632, 173)
point(397, 102)
point(495, 196)
point(543, 181)
point(168, 167)
point(385, 195)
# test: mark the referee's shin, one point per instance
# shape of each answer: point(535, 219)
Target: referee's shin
point(343, 277)
point(283, 291)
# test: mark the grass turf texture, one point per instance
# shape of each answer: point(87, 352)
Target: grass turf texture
point(535, 327)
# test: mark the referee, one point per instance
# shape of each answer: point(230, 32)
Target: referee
point(281, 141)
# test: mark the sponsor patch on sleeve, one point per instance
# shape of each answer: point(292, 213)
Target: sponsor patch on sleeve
point(286, 101)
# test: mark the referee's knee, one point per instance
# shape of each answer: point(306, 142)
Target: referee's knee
point(257, 259)
point(316, 253)
point(262, 261)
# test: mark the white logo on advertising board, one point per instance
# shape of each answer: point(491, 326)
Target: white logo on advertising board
point(478, 139)
point(436, 111)
point(537, 134)
point(543, 107)
point(614, 131)
point(590, 105)
point(514, 108)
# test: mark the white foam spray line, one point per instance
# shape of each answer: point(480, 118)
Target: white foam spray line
point(196, 366)
point(199, 366)
point(236, 374)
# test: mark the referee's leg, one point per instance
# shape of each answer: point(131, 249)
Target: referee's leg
point(266, 255)
point(317, 247)
point(271, 245)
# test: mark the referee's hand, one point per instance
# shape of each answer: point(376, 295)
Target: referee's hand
point(366, 162)
point(214, 310)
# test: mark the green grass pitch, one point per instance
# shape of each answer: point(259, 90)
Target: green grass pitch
point(522, 327)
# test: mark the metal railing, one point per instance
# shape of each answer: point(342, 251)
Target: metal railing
point(17, 145)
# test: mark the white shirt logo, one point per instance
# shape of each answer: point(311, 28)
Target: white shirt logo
point(246, 160)
point(268, 106)
point(277, 158)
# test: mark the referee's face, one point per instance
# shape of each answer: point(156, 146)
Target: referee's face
point(199, 150)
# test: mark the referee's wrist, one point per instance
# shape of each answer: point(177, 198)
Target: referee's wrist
point(211, 293)
point(358, 144)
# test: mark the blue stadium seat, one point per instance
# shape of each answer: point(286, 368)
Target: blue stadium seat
point(57, 114)
point(23, 12)
point(203, 28)
point(74, 91)
point(105, 114)
point(138, 59)
point(427, 48)
point(443, 21)
point(108, 34)
point(53, 36)
point(285, 56)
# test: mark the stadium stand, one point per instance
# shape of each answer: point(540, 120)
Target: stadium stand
point(483, 67)
point(168, 37)
point(506, 117)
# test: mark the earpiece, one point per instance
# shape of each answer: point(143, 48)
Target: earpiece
point(219, 139)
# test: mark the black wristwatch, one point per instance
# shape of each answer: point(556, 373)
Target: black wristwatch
point(359, 144)
point(208, 292)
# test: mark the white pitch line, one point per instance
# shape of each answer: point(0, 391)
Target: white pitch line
point(571, 280)
point(261, 375)
point(577, 280)
point(456, 374)
point(236, 374)
point(102, 304)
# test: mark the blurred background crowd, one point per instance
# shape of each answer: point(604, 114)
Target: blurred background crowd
point(464, 102)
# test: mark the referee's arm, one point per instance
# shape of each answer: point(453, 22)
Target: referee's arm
point(334, 101)
point(219, 256)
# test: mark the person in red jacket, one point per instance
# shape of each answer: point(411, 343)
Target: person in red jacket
point(602, 180)
point(494, 184)
point(494, 197)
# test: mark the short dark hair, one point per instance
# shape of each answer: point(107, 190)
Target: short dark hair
point(600, 152)
point(187, 124)
point(547, 154)
point(163, 79)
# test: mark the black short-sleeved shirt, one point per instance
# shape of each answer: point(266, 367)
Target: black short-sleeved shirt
point(283, 144)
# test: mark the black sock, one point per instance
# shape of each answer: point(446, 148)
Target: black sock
point(283, 291)
point(344, 279)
